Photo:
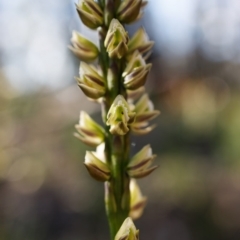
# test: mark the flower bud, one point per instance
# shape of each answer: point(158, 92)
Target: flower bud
point(91, 81)
point(134, 94)
point(137, 201)
point(116, 40)
point(135, 74)
point(96, 167)
point(129, 10)
point(144, 112)
point(140, 41)
point(108, 12)
point(140, 15)
point(127, 231)
point(90, 13)
point(138, 166)
point(100, 152)
point(119, 116)
point(84, 49)
point(89, 131)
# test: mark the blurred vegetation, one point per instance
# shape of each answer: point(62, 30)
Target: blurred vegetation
point(46, 193)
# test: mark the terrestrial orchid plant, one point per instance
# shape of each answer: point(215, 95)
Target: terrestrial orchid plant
point(116, 81)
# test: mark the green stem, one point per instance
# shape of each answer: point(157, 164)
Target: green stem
point(117, 194)
point(119, 185)
point(119, 182)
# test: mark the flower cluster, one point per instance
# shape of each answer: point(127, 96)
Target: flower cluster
point(118, 84)
point(116, 40)
point(120, 116)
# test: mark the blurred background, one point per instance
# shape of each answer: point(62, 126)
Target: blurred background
point(45, 190)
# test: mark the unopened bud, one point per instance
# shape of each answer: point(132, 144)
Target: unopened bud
point(140, 15)
point(129, 10)
point(145, 112)
point(134, 94)
point(90, 13)
point(127, 231)
point(91, 81)
point(83, 48)
point(108, 11)
point(135, 74)
point(137, 200)
point(139, 165)
point(140, 41)
point(116, 40)
point(119, 116)
point(89, 131)
point(96, 167)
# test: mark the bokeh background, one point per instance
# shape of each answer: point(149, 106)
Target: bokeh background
point(45, 191)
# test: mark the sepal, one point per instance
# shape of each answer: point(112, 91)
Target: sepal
point(140, 41)
point(139, 165)
point(127, 231)
point(90, 13)
point(83, 48)
point(135, 74)
point(137, 200)
point(145, 112)
point(89, 131)
point(129, 10)
point(96, 167)
point(134, 94)
point(91, 81)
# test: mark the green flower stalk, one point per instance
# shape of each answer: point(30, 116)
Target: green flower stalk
point(117, 83)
